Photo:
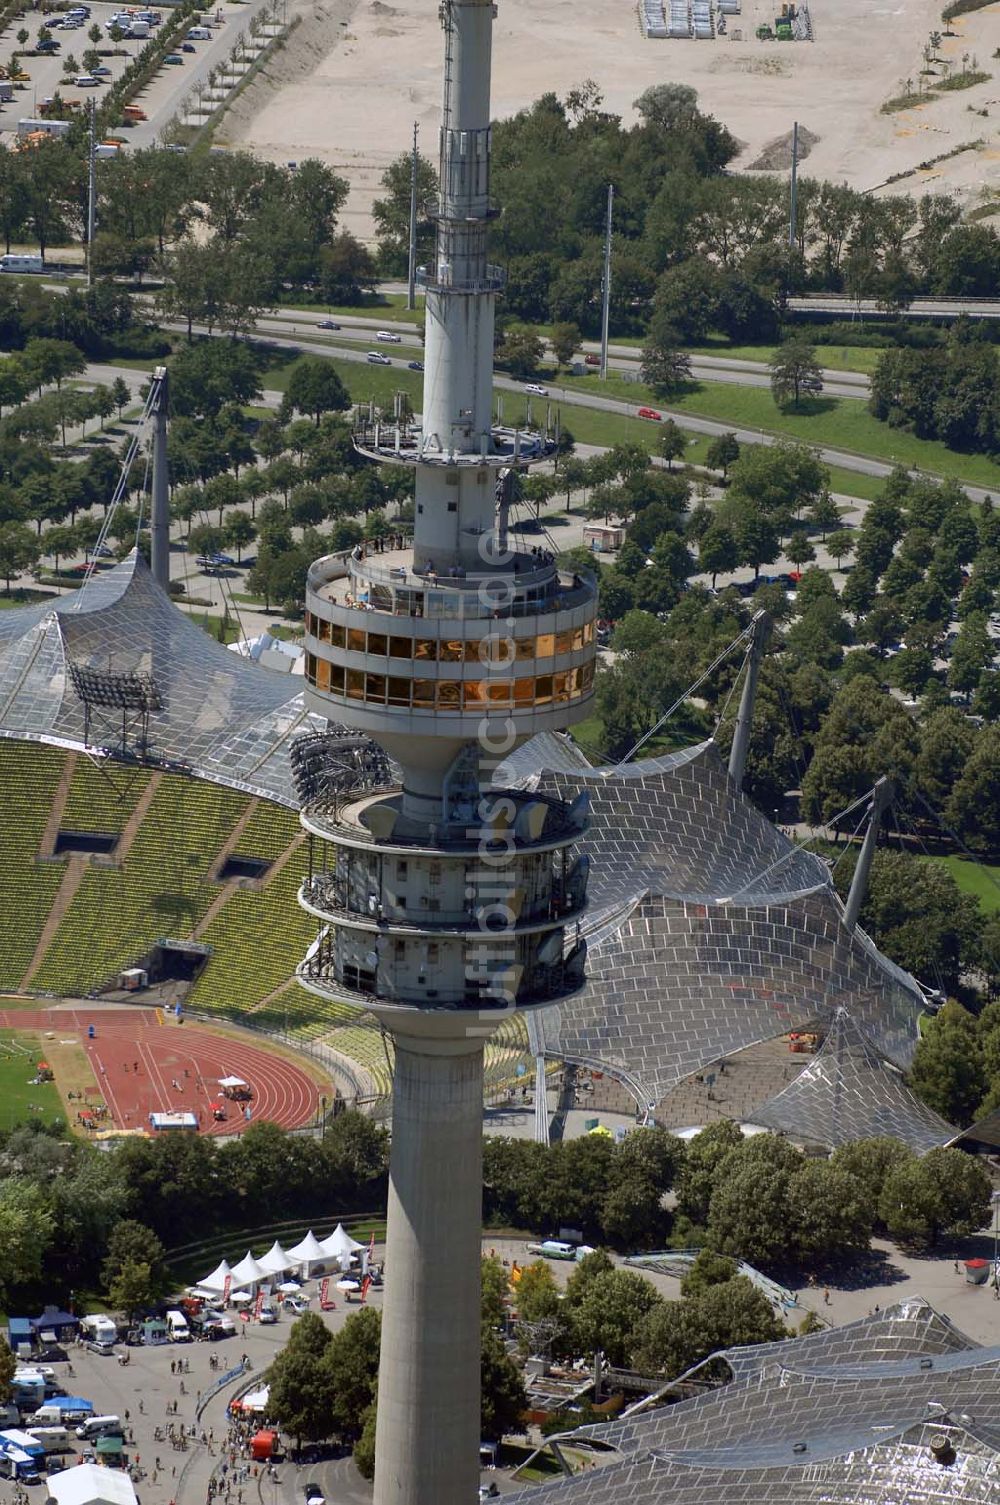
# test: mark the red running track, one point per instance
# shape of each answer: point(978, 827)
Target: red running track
point(178, 1067)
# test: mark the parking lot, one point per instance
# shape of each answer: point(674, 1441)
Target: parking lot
point(160, 98)
point(144, 1392)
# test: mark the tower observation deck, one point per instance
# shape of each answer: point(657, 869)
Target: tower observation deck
point(442, 902)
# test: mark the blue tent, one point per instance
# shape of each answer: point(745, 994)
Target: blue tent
point(52, 1320)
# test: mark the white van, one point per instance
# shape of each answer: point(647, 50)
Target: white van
point(53, 1439)
point(99, 1426)
point(177, 1328)
point(15, 263)
point(100, 1327)
point(199, 34)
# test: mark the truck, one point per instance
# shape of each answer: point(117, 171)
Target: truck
point(19, 1466)
point(27, 1388)
point(15, 1438)
point(60, 1410)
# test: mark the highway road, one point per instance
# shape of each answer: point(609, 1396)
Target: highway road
point(570, 397)
point(920, 308)
point(623, 359)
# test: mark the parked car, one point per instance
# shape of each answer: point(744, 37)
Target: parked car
point(651, 414)
point(387, 338)
point(536, 390)
point(592, 360)
point(297, 1304)
point(327, 324)
point(86, 81)
point(376, 358)
point(101, 72)
point(174, 58)
point(414, 365)
point(188, 47)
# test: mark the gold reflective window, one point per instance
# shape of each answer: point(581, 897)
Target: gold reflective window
point(311, 668)
point(425, 648)
point(473, 694)
point(336, 679)
point(451, 650)
point(399, 691)
point(337, 635)
point(501, 649)
point(545, 645)
point(322, 674)
point(500, 694)
point(322, 629)
point(355, 684)
point(449, 694)
point(400, 647)
point(543, 689)
point(560, 686)
point(577, 639)
point(378, 643)
point(588, 632)
point(524, 691)
point(356, 639)
point(524, 648)
point(423, 693)
point(375, 687)
point(564, 642)
point(586, 675)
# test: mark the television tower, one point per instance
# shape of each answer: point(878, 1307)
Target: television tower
point(445, 904)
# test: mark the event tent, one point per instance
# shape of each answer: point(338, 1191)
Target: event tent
point(340, 1246)
point(217, 1280)
point(248, 1272)
point(91, 1484)
point(308, 1252)
point(276, 1261)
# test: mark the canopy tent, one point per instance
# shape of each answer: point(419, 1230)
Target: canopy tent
point(248, 1272)
point(308, 1252)
point(217, 1280)
point(276, 1261)
point(90, 1484)
point(340, 1245)
point(232, 1081)
point(256, 1400)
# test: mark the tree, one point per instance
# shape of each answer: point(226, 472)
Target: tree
point(133, 1289)
point(718, 551)
point(756, 538)
point(665, 367)
point(392, 213)
point(840, 546)
point(120, 394)
point(26, 1228)
point(799, 548)
point(301, 1395)
point(521, 351)
point(781, 479)
point(945, 1193)
point(973, 810)
point(132, 1243)
point(610, 1314)
point(19, 549)
point(565, 340)
point(795, 373)
point(350, 1365)
point(831, 1213)
point(314, 387)
point(723, 1314)
point(537, 1294)
point(722, 452)
point(670, 442)
point(495, 1287)
point(206, 540)
point(705, 1153)
point(239, 531)
point(947, 1072)
point(870, 1162)
point(503, 1399)
point(8, 1367)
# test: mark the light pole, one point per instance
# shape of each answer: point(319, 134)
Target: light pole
point(995, 1199)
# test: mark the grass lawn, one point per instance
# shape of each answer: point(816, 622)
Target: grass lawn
point(391, 304)
point(829, 357)
point(982, 879)
point(19, 1055)
point(212, 623)
point(839, 422)
point(15, 598)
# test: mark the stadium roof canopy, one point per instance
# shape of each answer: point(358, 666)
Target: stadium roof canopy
point(214, 715)
point(900, 1406)
point(710, 931)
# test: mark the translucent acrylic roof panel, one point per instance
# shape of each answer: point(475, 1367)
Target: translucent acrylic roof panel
point(709, 930)
point(849, 1092)
point(221, 716)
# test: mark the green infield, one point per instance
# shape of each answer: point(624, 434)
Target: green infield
point(20, 1098)
point(981, 879)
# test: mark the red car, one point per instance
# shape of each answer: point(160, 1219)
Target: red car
point(651, 413)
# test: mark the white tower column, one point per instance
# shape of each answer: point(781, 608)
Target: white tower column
point(428, 1395)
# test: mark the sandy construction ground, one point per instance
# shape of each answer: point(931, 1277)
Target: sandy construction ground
point(356, 74)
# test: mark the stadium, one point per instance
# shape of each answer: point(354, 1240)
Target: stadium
point(151, 782)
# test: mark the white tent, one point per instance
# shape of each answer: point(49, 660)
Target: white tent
point(248, 1272)
point(217, 1280)
point(90, 1484)
point(340, 1247)
point(308, 1252)
point(276, 1261)
point(232, 1081)
point(256, 1400)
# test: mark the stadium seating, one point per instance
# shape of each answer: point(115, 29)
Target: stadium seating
point(29, 778)
point(161, 888)
point(102, 799)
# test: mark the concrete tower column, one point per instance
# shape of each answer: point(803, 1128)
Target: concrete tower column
point(428, 1396)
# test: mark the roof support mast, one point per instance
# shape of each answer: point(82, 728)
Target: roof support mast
point(159, 520)
point(882, 797)
point(761, 631)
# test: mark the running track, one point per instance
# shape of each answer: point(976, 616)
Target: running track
point(178, 1067)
